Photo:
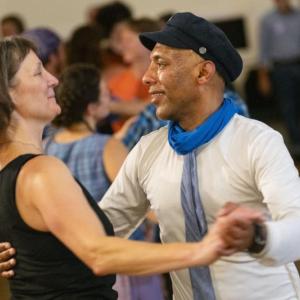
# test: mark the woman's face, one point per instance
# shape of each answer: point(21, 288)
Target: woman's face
point(33, 91)
point(125, 42)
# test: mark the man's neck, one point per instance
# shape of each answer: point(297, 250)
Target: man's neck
point(203, 111)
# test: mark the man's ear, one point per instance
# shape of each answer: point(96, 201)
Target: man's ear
point(206, 70)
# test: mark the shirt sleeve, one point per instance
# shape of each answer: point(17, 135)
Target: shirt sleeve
point(125, 203)
point(277, 179)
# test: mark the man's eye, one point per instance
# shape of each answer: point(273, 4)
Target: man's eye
point(161, 65)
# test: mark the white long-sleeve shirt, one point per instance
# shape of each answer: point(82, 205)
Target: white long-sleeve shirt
point(246, 163)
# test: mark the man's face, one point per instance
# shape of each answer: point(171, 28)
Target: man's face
point(172, 81)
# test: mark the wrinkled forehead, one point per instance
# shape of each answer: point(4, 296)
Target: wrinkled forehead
point(30, 63)
point(167, 52)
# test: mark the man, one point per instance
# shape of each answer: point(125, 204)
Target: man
point(280, 58)
point(207, 156)
point(245, 162)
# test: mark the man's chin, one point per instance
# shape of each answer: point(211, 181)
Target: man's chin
point(163, 115)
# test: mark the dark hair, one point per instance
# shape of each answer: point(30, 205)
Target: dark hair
point(84, 46)
point(13, 51)
point(16, 20)
point(143, 25)
point(110, 14)
point(78, 87)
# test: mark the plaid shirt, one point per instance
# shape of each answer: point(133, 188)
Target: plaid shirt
point(146, 122)
point(84, 158)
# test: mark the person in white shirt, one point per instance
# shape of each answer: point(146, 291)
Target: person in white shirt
point(244, 161)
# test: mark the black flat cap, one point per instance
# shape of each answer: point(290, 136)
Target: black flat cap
point(187, 31)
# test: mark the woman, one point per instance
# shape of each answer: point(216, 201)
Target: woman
point(64, 250)
point(93, 158)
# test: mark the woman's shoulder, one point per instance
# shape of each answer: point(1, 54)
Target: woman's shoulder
point(94, 139)
point(43, 167)
point(114, 146)
point(42, 177)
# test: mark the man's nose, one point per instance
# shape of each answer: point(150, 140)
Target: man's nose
point(149, 76)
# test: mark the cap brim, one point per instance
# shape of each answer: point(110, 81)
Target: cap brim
point(166, 37)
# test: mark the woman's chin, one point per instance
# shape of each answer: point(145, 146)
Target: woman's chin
point(58, 110)
point(55, 111)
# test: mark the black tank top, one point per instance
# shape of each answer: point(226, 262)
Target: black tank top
point(45, 268)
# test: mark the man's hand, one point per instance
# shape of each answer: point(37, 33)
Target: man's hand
point(6, 260)
point(236, 224)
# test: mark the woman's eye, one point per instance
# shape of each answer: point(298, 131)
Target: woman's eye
point(38, 72)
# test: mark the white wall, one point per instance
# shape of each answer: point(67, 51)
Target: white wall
point(65, 15)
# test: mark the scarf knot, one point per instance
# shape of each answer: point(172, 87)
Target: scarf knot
point(184, 142)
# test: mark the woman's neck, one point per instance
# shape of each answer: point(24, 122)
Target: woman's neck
point(15, 145)
point(24, 136)
point(20, 138)
point(74, 132)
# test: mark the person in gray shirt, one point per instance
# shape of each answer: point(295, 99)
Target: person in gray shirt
point(280, 64)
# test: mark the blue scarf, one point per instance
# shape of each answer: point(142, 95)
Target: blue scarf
point(186, 142)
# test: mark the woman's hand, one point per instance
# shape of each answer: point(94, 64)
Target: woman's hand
point(6, 260)
point(233, 231)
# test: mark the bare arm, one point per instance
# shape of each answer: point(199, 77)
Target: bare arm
point(114, 154)
point(47, 194)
